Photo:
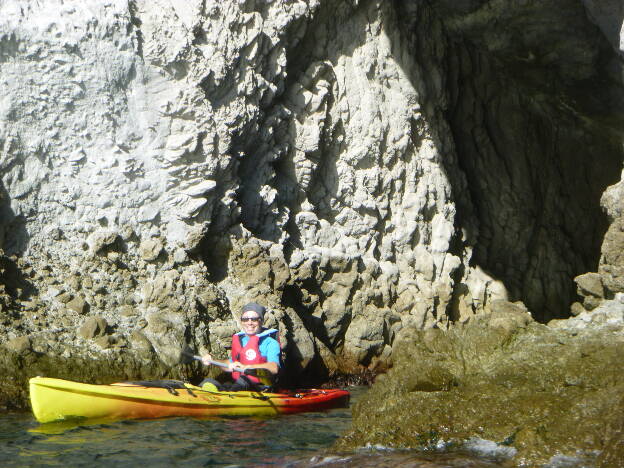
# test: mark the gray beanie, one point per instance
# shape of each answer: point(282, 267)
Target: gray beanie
point(257, 308)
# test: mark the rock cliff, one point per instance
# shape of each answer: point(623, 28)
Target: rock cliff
point(358, 166)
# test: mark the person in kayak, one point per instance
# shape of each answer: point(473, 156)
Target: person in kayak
point(252, 348)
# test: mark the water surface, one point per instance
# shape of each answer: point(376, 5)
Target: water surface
point(300, 440)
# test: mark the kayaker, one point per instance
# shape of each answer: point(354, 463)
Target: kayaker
point(252, 348)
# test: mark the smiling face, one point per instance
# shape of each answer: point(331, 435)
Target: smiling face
point(251, 323)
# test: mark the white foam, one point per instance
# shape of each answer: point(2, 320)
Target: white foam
point(568, 461)
point(329, 460)
point(377, 447)
point(489, 448)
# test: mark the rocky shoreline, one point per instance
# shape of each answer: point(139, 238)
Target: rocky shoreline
point(396, 181)
point(541, 391)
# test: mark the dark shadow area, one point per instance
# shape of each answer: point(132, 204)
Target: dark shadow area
point(293, 297)
point(215, 247)
point(14, 239)
point(537, 143)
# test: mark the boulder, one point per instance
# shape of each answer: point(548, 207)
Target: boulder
point(544, 391)
point(93, 327)
point(78, 305)
point(590, 284)
point(150, 249)
point(140, 342)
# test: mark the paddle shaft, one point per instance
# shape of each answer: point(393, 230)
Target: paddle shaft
point(220, 364)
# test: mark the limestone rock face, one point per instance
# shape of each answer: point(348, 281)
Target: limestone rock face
point(358, 166)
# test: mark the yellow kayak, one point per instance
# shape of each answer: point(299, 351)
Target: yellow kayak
point(58, 400)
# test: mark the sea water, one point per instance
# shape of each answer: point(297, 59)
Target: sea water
point(298, 440)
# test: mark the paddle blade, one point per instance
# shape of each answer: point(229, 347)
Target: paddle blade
point(187, 356)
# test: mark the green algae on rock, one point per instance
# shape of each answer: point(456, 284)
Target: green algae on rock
point(539, 389)
point(613, 453)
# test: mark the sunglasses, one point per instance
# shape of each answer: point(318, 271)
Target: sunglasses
point(250, 319)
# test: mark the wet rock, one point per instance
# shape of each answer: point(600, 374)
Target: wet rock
point(542, 391)
point(93, 327)
point(613, 453)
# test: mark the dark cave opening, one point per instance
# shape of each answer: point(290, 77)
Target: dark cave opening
point(538, 149)
point(534, 111)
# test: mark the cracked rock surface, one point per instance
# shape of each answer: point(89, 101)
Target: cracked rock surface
point(359, 167)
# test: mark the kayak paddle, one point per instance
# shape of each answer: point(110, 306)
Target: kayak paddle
point(253, 372)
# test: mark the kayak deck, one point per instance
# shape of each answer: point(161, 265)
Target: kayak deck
point(57, 400)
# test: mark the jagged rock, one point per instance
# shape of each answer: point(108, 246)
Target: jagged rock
point(162, 289)
point(93, 327)
point(166, 336)
point(608, 314)
point(78, 305)
point(100, 240)
point(63, 297)
point(591, 302)
point(150, 249)
point(74, 282)
point(611, 268)
point(139, 342)
point(200, 189)
point(509, 316)
point(590, 284)
point(180, 256)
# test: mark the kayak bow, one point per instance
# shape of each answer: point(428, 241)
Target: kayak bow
point(57, 400)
